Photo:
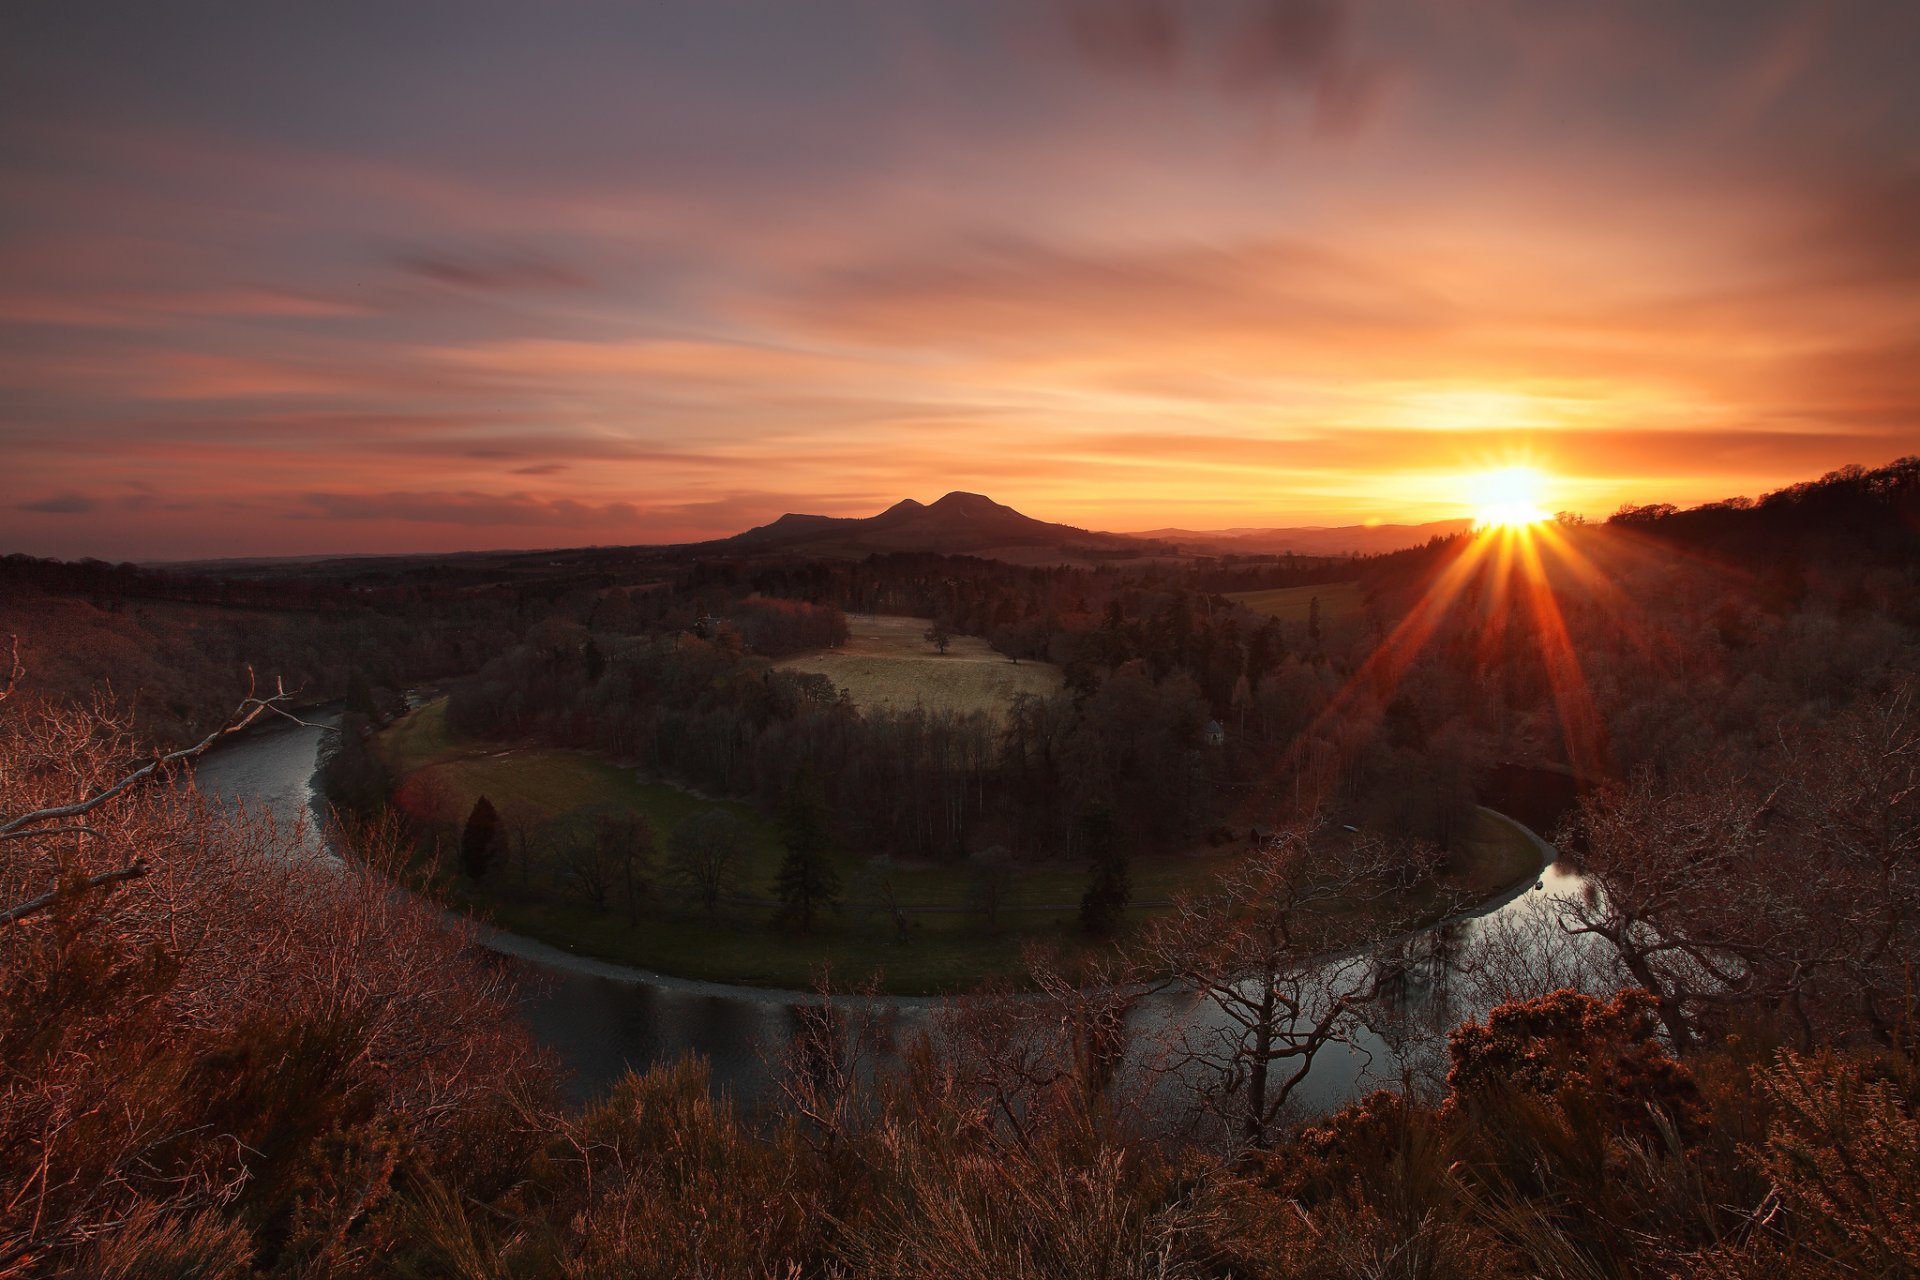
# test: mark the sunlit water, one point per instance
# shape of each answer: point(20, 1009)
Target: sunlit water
point(599, 1019)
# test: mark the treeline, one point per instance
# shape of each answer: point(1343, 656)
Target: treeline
point(1128, 740)
point(1853, 513)
point(126, 581)
point(181, 667)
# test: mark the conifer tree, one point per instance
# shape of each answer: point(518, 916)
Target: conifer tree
point(478, 840)
point(807, 883)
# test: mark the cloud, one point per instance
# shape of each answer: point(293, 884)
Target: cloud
point(502, 268)
point(517, 509)
point(1001, 292)
point(1677, 235)
point(1235, 46)
point(65, 504)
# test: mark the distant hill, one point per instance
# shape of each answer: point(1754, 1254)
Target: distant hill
point(1350, 539)
point(958, 524)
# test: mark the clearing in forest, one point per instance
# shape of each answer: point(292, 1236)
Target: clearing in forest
point(888, 662)
point(1291, 604)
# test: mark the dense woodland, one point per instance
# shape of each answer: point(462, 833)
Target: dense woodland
point(215, 1064)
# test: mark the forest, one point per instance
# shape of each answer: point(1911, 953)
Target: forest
point(217, 1062)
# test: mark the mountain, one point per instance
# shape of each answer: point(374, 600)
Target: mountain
point(958, 524)
point(974, 524)
point(1350, 539)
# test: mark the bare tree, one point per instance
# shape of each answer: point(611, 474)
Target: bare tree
point(603, 854)
point(625, 840)
point(706, 854)
point(519, 823)
point(1278, 957)
point(1854, 795)
point(1692, 896)
point(989, 881)
point(578, 867)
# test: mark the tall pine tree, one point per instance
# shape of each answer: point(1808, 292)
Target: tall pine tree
point(478, 840)
point(807, 883)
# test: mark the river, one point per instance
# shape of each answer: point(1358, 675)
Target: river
point(599, 1019)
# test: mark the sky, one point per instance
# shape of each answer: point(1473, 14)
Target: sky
point(292, 279)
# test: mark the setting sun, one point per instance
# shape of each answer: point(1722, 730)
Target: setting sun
point(1507, 498)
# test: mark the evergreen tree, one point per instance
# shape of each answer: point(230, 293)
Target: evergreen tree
point(806, 883)
point(1313, 621)
point(1109, 886)
point(478, 840)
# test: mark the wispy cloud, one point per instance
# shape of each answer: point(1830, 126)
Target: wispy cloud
point(1124, 262)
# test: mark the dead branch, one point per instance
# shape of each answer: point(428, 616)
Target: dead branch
point(32, 833)
point(251, 708)
point(133, 871)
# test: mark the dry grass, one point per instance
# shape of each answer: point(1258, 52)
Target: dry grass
point(1291, 604)
point(887, 662)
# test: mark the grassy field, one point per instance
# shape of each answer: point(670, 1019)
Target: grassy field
point(947, 948)
point(1290, 604)
point(887, 662)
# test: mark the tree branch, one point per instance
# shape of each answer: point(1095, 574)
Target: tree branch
point(131, 872)
point(251, 708)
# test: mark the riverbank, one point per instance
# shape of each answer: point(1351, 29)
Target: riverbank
point(906, 929)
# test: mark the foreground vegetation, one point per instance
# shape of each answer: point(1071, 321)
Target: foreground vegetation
point(216, 1065)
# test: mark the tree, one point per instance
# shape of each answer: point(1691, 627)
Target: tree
point(1313, 621)
point(624, 840)
point(1649, 847)
point(578, 862)
point(937, 636)
point(989, 880)
point(807, 883)
point(1109, 886)
point(1257, 948)
point(479, 839)
point(704, 856)
point(603, 852)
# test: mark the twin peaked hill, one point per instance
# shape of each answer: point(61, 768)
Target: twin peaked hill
point(958, 524)
point(973, 524)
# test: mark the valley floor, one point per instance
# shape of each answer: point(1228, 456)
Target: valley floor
point(947, 946)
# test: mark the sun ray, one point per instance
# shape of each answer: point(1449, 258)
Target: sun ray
point(1580, 725)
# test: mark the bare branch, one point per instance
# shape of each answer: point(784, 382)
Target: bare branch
point(133, 871)
point(251, 708)
point(30, 833)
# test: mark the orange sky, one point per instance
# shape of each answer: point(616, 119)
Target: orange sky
point(425, 277)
